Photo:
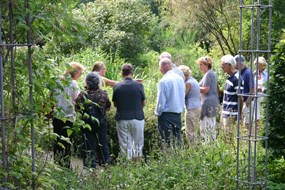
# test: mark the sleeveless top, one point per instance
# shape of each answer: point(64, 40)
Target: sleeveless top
point(192, 98)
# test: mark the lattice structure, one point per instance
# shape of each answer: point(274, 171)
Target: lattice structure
point(250, 174)
point(15, 106)
point(251, 166)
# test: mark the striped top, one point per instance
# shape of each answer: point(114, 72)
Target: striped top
point(230, 101)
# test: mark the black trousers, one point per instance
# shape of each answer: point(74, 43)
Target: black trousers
point(62, 148)
point(95, 144)
point(169, 125)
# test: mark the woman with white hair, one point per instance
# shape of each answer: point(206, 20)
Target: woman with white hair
point(192, 104)
point(93, 104)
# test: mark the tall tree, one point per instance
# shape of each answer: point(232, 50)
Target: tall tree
point(213, 20)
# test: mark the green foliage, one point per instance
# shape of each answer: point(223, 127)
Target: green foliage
point(56, 28)
point(276, 105)
point(117, 26)
point(276, 169)
point(116, 32)
point(171, 169)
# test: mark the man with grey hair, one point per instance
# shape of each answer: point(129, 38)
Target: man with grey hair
point(248, 87)
point(170, 103)
point(230, 102)
point(174, 67)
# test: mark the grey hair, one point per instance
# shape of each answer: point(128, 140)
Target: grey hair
point(92, 81)
point(165, 55)
point(229, 59)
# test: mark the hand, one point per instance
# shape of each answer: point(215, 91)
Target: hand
point(139, 80)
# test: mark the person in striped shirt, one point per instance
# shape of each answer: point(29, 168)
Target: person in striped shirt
point(230, 109)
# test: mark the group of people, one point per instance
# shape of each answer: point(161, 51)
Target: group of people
point(177, 91)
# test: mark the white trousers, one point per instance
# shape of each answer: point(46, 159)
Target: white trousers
point(131, 137)
point(208, 129)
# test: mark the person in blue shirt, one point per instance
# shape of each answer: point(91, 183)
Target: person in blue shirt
point(248, 88)
point(170, 103)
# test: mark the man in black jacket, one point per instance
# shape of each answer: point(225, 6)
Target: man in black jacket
point(129, 99)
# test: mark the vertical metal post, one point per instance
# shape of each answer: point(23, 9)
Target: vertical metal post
point(28, 22)
point(3, 131)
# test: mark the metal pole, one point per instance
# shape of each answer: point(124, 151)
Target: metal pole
point(3, 130)
point(28, 22)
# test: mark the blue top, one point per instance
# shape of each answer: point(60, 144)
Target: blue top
point(248, 80)
point(171, 93)
point(128, 95)
point(230, 101)
point(192, 99)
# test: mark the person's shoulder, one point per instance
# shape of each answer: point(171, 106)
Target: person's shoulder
point(101, 91)
point(195, 80)
point(119, 83)
point(74, 83)
point(211, 73)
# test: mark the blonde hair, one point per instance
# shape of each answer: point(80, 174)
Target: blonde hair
point(206, 61)
point(75, 68)
point(186, 70)
point(261, 61)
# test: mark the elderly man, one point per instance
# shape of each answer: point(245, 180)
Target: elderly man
point(230, 102)
point(248, 87)
point(174, 67)
point(170, 103)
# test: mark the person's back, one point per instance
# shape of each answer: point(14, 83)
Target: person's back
point(193, 95)
point(129, 99)
point(64, 112)
point(173, 88)
point(129, 96)
point(170, 103)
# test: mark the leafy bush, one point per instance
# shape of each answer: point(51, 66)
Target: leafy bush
point(117, 26)
point(276, 105)
point(175, 169)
